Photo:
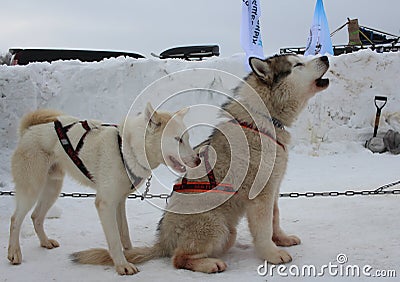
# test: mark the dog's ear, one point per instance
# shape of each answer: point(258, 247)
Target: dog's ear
point(261, 68)
point(151, 117)
point(181, 113)
point(148, 112)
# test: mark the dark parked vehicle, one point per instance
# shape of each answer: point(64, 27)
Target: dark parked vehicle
point(26, 56)
point(190, 53)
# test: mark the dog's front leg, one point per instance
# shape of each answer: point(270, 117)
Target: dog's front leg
point(123, 226)
point(259, 215)
point(107, 210)
point(279, 236)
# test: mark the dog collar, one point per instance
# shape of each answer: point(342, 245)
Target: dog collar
point(259, 130)
point(277, 123)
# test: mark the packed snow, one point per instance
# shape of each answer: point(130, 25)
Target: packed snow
point(326, 154)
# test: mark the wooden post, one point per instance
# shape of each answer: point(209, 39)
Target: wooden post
point(354, 32)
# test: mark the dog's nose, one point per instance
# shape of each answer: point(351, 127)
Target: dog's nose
point(325, 60)
point(197, 161)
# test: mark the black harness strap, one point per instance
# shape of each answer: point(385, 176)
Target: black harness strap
point(80, 143)
point(66, 144)
point(73, 154)
point(136, 179)
point(210, 172)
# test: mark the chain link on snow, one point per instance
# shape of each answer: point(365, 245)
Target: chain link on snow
point(337, 194)
point(147, 195)
point(387, 186)
point(7, 193)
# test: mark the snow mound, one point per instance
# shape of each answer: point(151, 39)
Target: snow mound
point(344, 113)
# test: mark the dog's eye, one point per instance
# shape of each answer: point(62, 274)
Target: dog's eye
point(299, 65)
point(179, 139)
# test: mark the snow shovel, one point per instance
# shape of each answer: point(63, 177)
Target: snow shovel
point(379, 107)
point(375, 144)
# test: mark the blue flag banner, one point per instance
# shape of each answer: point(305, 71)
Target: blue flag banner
point(319, 40)
point(250, 31)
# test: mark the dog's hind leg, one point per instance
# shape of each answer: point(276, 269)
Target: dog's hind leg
point(107, 205)
point(29, 178)
point(198, 262)
point(203, 238)
point(123, 226)
point(47, 198)
point(24, 203)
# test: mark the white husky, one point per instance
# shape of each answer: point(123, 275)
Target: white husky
point(52, 144)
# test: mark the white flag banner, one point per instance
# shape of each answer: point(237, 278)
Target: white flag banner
point(250, 31)
point(319, 40)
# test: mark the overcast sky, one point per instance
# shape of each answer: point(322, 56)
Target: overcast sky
point(146, 26)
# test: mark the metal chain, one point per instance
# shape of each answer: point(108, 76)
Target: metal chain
point(146, 192)
point(147, 195)
point(387, 186)
point(337, 194)
point(7, 193)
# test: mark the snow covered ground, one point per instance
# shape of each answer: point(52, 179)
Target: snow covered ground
point(326, 155)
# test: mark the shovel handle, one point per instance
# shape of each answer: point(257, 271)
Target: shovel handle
point(378, 111)
point(377, 117)
point(380, 98)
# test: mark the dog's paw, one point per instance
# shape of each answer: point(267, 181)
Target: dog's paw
point(126, 269)
point(14, 255)
point(50, 244)
point(278, 257)
point(286, 241)
point(208, 265)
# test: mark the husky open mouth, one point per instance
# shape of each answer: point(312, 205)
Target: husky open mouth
point(322, 82)
point(176, 165)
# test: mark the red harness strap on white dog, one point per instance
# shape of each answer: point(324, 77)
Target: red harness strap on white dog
point(74, 154)
point(69, 150)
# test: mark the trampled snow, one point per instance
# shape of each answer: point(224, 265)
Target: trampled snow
point(326, 154)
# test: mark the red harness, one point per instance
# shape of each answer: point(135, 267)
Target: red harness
point(66, 144)
point(212, 185)
point(259, 130)
point(74, 154)
point(200, 187)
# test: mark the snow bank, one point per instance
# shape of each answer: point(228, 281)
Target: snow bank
point(106, 90)
point(327, 226)
point(345, 111)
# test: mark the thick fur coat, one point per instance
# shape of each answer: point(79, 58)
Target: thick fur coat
point(198, 228)
point(40, 162)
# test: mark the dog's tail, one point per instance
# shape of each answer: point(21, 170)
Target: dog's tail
point(37, 117)
point(102, 256)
